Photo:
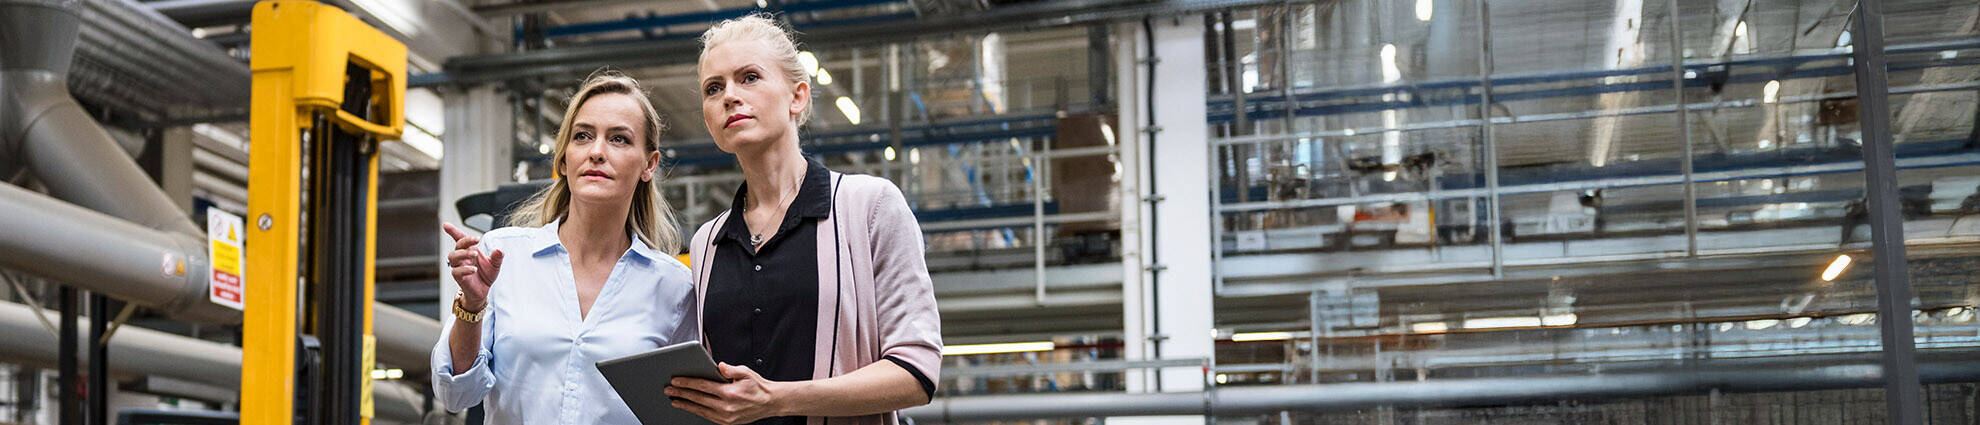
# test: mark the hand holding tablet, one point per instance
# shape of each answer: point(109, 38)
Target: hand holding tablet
point(640, 378)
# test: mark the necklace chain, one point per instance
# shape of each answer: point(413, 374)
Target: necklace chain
point(756, 238)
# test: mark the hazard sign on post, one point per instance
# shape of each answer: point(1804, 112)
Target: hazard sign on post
point(224, 233)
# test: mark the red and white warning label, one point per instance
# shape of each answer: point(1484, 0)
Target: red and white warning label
point(224, 234)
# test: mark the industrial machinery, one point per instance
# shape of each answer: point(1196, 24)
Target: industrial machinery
point(327, 90)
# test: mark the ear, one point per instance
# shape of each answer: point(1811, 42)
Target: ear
point(652, 166)
point(800, 98)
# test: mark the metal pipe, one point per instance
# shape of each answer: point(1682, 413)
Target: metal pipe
point(70, 410)
point(57, 136)
point(114, 257)
point(157, 269)
point(1625, 112)
point(136, 245)
point(1038, 224)
point(137, 351)
point(1489, 140)
point(1234, 401)
point(1900, 371)
point(226, 167)
point(99, 363)
point(1684, 134)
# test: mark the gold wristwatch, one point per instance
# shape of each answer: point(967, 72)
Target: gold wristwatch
point(463, 314)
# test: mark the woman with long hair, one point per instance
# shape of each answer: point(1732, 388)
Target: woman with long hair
point(589, 275)
point(814, 294)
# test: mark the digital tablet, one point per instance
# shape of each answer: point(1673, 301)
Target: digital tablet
point(641, 380)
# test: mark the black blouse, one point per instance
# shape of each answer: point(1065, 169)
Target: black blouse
point(762, 304)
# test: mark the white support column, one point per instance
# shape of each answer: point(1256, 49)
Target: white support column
point(1181, 221)
point(477, 149)
point(1167, 310)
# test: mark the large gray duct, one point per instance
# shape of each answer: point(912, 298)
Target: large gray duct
point(103, 254)
point(43, 129)
point(143, 352)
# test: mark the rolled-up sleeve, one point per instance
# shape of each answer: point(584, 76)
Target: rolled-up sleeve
point(460, 391)
point(910, 327)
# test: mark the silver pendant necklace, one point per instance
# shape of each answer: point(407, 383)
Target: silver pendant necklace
point(756, 239)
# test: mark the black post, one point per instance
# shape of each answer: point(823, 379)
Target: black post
point(70, 413)
point(99, 360)
point(1901, 393)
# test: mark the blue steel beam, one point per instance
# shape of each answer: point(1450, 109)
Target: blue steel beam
point(657, 22)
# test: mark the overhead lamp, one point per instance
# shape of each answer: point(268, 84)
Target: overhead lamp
point(1798, 322)
point(392, 17)
point(1423, 10)
point(1390, 72)
point(847, 107)
point(808, 61)
point(890, 153)
point(1008, 347)
point(1857, 319)
point(824, 78)
point(1771, 93)
point(1559, 319)
point(1836, 268)
point(1107, 132)
point(1429, 328)
point(1261, 336)
point(1502, 322)
point(1761, 324)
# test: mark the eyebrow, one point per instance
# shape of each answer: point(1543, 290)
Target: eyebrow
point(588, 126)
point(713, 78)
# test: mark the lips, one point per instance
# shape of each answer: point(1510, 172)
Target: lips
point(733, 119)
point(595, 173)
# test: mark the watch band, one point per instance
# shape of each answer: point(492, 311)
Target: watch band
point(464, 315)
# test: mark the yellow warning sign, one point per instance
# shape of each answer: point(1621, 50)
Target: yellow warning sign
point(223, 246)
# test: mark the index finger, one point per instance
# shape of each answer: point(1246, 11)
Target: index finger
point(452, 231)
point(696, 384)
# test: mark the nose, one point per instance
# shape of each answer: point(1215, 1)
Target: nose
point(729, 99)
point(592, 152)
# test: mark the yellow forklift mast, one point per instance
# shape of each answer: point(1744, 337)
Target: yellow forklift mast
point(327, 90)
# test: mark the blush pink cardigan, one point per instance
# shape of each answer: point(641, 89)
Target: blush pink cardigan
point(874, 296)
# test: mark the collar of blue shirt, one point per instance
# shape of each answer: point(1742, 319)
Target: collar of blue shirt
point(546, 241)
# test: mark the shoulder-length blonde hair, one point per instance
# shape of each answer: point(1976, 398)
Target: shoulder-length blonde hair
point(650, 217)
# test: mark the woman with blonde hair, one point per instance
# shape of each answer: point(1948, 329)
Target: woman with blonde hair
point(813, 290)
point(593, 278)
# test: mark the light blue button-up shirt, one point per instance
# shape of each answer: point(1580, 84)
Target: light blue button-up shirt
point(537, 361)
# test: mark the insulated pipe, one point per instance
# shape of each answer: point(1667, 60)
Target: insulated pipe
point(157, 269)
point(137, 351)
point(50, 134)
point(1457, 392)
point(42, 127)
point(102, 254)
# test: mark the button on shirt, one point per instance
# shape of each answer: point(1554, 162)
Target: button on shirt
point(536, 363)
point(763, 302)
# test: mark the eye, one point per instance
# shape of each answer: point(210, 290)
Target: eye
point(623, 140)
point(750, 77)
point(711, 89)
point(582, 136)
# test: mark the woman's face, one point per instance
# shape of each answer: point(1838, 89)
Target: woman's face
point(746, 102)
point(606, 158)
